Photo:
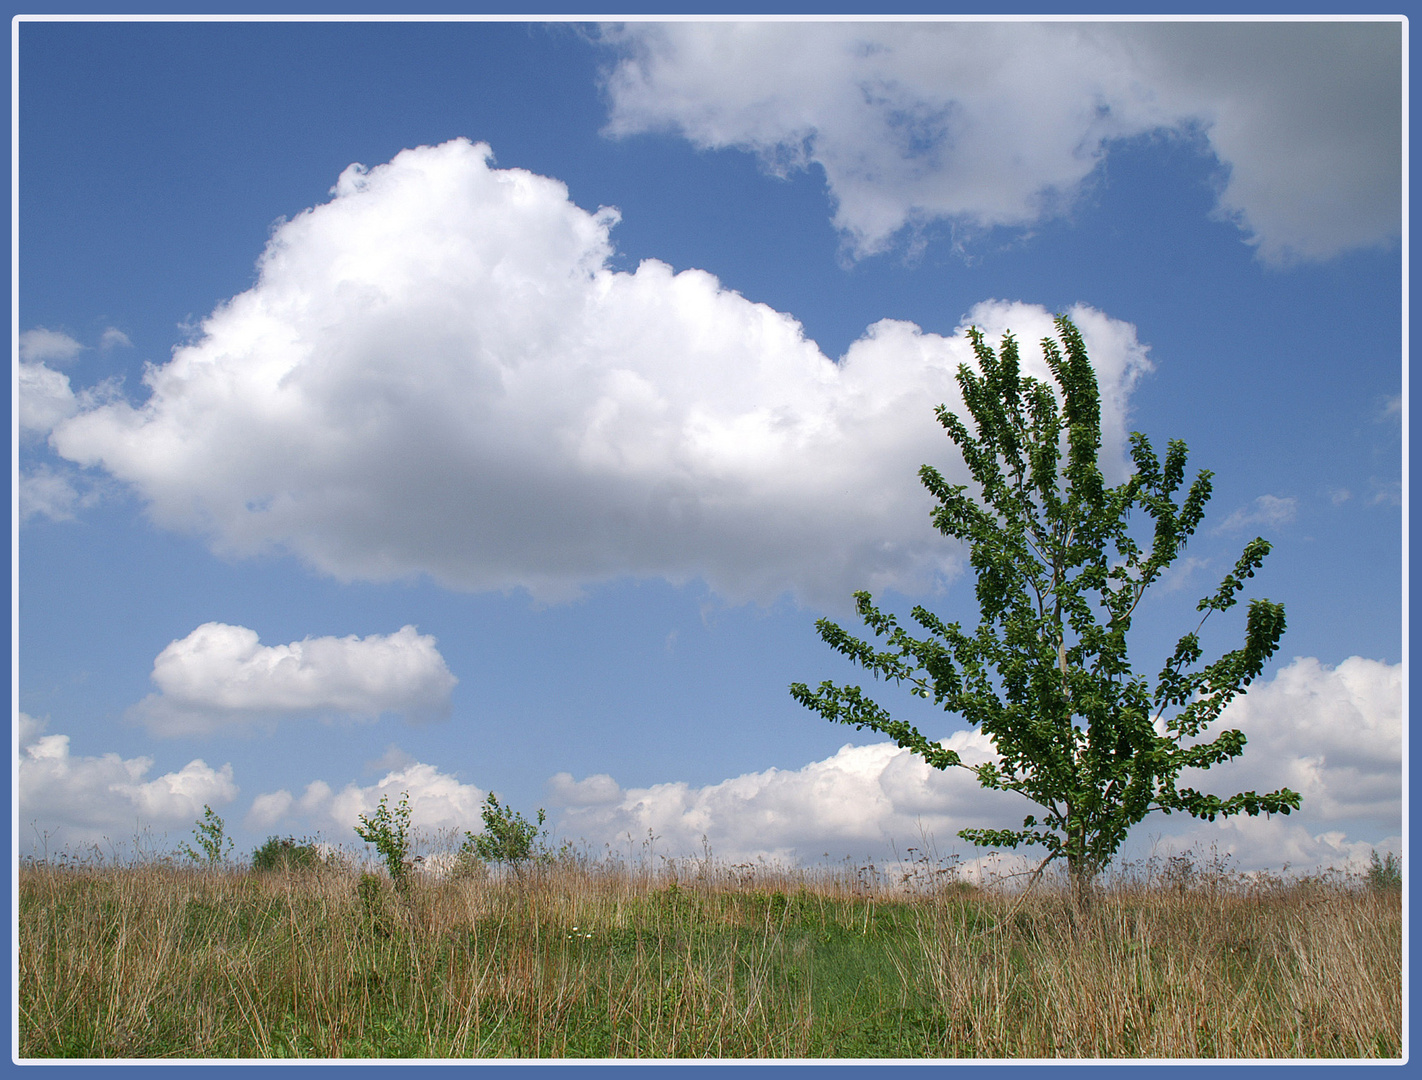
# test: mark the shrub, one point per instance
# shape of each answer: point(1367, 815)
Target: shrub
point(389, 831)
point(208, 833)
point(1385, 873)
point(286, 854)
point(508, 836)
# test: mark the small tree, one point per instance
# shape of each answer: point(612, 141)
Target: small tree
point(389, 831)
point(508, 836)
point(209, 834)
point(1059, 577)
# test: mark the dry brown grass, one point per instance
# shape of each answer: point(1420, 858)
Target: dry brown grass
point(696, 960)
point(1294, 973)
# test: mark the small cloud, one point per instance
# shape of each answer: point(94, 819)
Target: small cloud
point(221, 676)
point(1331, 733)
point(598, 790)
point(54, 494)
point(1384, 492)
point(394, 758)
point(1270, 511)
point(46, 398)
point(1179, 575)
point(114, 338)
point(268, 809)
point(862, 800)
point(979, 125)
point(40, 345)
point(1338, 496)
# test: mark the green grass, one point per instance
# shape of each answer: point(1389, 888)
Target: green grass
point(598, 961)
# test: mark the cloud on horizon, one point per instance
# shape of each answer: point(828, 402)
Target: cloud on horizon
point(221, 677)
point(438, 803)
point(437, 373)
point(80, 800)
point(1332, 734)
point(1002, 124)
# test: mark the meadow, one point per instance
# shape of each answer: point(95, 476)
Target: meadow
point(607, 958)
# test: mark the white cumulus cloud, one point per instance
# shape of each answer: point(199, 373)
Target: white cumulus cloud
point(438, 373)
point(40, 345)
point(1332, 734)
point(222, 676)
point(989, 124)
point(82, 800)
point(438, 802)
point(858, 802)
point(46, 398)
point(114, 338)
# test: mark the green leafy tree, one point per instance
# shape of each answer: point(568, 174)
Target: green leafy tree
point(211, 839)
point(508, 836)
point(1059, 576)
point(389, 831)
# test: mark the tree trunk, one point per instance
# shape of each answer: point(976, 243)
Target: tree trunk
point(1083, 877)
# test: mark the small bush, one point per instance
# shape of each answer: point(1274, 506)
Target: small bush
point(508, 836)
point(389, 831)
point(368, 889)
point(1385, 873)
point(286, 854)
point(209, 834)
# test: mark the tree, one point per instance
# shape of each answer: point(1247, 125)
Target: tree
point(389, 831)
point(209, 833)
point(1059, 577)
point(508, 836)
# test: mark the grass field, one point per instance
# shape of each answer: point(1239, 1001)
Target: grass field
point(584, 959)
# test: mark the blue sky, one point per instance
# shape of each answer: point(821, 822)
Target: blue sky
point(603, 359)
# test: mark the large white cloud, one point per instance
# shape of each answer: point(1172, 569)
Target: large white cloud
point(1000, 123)
point(74, 801)
point(437, 372)
point(1333, 735)
point(222, 676)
